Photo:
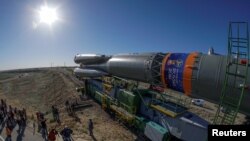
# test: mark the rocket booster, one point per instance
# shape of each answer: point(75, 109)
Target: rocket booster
point(194, 74)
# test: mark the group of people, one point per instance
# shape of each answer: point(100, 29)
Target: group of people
point(66, 132)
point(10, 117)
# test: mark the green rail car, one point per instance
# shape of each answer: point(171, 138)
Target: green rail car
point(124, 105)
point(156, 116)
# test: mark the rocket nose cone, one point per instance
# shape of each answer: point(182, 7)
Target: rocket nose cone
point(76, 58)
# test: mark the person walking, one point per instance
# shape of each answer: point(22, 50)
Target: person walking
point(18, 121)
point(44, 129)
point(66, 134)
point(34, 126)
point(5, 107)
point(55, 113)
point(67, 106)
point(52, 134)
point(8, 133)
point(90, 127)
point(8, 128)
point(24, 114)
point(1, 116)
point(38, 117)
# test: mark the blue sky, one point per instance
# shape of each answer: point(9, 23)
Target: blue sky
point(113, 26)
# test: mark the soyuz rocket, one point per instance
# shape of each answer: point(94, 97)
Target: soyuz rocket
point(194, 74)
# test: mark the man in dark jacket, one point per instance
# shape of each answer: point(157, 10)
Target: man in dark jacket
point(66, 134)
point(90, 127)
point(44, 128)
point(55, 113)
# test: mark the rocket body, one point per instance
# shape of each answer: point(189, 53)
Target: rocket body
point(194, 74)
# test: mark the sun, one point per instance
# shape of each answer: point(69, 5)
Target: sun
point(48, 15)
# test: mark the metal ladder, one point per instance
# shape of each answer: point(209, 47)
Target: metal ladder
point(236, 73)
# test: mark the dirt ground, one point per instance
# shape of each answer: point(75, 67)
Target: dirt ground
point(40, 89)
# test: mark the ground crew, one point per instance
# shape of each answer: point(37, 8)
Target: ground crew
point(52, 135)
point(8, 133)
point(9, 127)
point(44, 128)
point(38, 117)
point(69, 108)
point(24, 114)
point(90, 127)
point(55, 113)
point(18, 121)
point(66, 134)
point(2, 116)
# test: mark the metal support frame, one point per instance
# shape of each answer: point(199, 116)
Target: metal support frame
point(232, 92)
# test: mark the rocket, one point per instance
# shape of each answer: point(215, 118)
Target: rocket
point(194, 74)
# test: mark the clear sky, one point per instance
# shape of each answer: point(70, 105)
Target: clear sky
point(113, 26)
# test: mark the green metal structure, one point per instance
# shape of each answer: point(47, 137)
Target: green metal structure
point(238, 56)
